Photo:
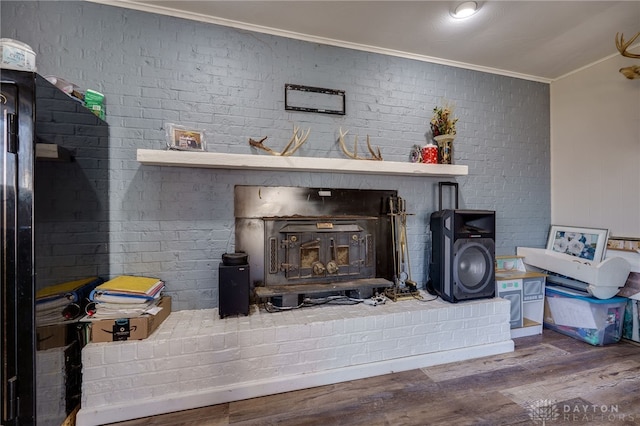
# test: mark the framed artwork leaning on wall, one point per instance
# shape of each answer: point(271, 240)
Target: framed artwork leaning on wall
point(584, 243)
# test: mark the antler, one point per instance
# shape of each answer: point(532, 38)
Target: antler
point(299, 137)
point(622, 46)
point(375, 155)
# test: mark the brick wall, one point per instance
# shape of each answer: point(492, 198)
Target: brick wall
point(195, 359)
point(176, 223)
point(50, 393)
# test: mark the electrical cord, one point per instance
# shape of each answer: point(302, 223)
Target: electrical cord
point(271, 308)
point(340, 300)
point(425, 300)
point(376, 300)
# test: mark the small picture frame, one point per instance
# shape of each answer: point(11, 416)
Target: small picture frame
point(588, 244)
point(183, 138)
point(624, 244)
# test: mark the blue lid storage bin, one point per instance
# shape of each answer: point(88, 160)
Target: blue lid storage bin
point(595, 321)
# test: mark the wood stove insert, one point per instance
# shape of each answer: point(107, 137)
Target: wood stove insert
point(319, 240)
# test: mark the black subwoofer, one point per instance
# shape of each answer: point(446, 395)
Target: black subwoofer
point(463, 255)
point(233, 285)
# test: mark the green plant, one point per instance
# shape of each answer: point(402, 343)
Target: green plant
point(443, 122)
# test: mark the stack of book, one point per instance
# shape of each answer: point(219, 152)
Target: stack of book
point(125, 296)
point(64, 302)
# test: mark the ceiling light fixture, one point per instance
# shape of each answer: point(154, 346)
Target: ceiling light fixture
point(464, 10)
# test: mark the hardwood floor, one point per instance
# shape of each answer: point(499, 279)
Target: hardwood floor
point(549, 379)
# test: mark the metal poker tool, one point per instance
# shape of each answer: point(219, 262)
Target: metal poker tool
point(393, 238)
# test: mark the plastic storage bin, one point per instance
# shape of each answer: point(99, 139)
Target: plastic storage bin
point(15, 55)
point(631, 325)
point(595, 321)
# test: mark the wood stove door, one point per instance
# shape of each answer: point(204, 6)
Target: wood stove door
point(303, 256)
point(324, 255)
point(347, 251)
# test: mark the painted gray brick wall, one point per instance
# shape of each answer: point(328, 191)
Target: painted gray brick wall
point(175, 223)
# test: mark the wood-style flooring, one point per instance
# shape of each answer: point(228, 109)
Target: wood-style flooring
point(549, 379)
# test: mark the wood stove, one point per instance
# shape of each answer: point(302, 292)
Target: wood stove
point(320, 249)
point(312, 240)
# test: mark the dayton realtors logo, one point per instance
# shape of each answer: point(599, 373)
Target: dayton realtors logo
point(543, 411)
point(548, 411)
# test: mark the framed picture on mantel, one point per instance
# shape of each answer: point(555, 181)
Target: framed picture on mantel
point(588, 244)
point(184, 139)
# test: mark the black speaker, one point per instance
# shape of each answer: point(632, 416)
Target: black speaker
point(463, 255)
point(233, 290)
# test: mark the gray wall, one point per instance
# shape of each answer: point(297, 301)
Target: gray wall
point(175, 223)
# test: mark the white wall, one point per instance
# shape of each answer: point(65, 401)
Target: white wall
point(595, 149)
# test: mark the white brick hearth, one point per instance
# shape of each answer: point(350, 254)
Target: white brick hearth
point(196, 359)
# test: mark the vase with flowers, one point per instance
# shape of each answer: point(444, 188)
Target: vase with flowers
point(443, 127)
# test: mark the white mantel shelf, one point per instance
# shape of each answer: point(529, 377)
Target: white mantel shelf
point(153, 157)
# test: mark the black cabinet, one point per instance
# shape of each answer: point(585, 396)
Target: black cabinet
point(53, 214)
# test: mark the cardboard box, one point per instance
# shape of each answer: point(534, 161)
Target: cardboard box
point(595, 321)
point(51, 336)
point(114, 330)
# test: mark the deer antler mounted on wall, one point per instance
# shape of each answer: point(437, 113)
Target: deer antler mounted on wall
point(375, 155)
point(633, 71)
point(299, 137)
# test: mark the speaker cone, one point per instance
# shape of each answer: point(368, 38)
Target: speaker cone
point(472, 267)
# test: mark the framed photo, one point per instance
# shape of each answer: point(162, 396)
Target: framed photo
point(624, 244)
point(185, 139)
point(584, 243)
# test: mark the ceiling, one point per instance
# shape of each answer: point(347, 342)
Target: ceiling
point(536, 40)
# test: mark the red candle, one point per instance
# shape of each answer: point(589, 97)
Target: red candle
point(430, 154)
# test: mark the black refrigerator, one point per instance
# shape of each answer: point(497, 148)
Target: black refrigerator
point(54, 218)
